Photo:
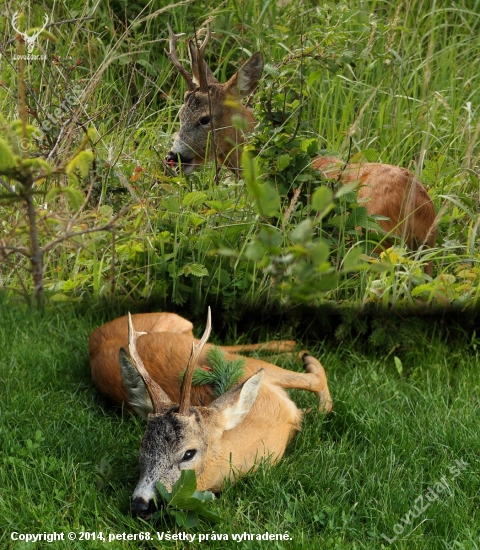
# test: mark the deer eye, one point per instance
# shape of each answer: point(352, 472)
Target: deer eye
point(189, 455)
point(205, 120)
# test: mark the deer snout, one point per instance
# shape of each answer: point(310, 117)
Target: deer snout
point(142, 508)
point(174, 159)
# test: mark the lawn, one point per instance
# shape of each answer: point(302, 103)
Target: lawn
point(395, 464)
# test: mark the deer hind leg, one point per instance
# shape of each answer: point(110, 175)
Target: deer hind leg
point(277, 347)
point(314, 380)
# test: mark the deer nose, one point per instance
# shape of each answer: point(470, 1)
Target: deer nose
point(142, 508)
point(174, 159)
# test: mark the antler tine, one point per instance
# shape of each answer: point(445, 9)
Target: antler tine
point(172, 55)
point(201, 63)
point(206, 40)
point(186, 388)
point(157, 395)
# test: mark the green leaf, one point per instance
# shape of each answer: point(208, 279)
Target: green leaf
point(320, 253)
point(309, 145)
point(162, 490)
point(183, 488)
point(198, 270)
point(283, 161)
point(398, 365)
point(265, 196)
point(322, 198)
point(193, 198)
point(208, 514)
point(74, 196)
point(7, 159)
point(344, 189)
point(80, 162)
point(302, 232)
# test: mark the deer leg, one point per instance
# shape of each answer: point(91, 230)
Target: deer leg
point(314, 380)
point(278, 347)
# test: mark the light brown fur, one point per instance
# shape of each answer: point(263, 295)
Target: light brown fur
point(235, 444)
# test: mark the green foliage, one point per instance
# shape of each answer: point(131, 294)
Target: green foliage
point(223, 374)
point(184, 506)
point(378, 82)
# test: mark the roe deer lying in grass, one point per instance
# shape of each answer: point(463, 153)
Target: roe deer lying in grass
point(218, 438)
point(207, 131)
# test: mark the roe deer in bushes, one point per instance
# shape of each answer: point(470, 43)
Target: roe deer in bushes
point(207, 131)
point(218, 438)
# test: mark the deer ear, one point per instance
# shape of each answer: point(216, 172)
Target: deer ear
point(237, 403)
point(134, 386)
point(245, 80)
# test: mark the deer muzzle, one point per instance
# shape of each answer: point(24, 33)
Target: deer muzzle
point(174, 160)
point(142, 508)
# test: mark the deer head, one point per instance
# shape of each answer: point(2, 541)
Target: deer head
point(29, 40)
point(181, 436)
point(212, 113)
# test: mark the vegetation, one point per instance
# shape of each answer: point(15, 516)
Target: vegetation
point(89, 214)
point(379, 80)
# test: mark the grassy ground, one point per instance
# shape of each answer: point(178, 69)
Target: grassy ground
point(351, 480)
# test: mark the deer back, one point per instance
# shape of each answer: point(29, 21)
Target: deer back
point(391, 192)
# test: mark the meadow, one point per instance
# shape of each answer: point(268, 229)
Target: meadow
point(360, 477)
point(92, 224)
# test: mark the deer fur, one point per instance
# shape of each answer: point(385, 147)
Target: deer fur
point(207, 130)
point(227, 436)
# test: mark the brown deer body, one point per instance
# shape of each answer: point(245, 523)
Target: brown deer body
point(207, 130)
point(218, 438)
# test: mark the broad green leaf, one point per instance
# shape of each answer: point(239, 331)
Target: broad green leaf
point(193, 198)
point(163, 492)
point(322, 198)
point(198, 270)
point(302, 232)
point(344, 189)
point(80, 162)
point(184, 487)
point(283, 161)
point(320, 253)
point(309, 145)
point(352, 259)
point(74, 196)
point(208, 514)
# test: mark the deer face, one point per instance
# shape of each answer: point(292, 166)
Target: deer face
point(171, 443)
point(180, 437)
point(207, 125)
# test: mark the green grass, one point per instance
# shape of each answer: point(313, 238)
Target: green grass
point(345, 479)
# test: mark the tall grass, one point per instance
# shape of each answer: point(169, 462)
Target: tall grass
point(394, 81)
point(70, 462)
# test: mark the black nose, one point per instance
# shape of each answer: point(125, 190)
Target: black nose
point(142, 508)
point(174, 159)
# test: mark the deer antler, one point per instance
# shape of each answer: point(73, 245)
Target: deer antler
point(201, 65)
point(186, 388)
point(157, 395)
point(172, 55)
